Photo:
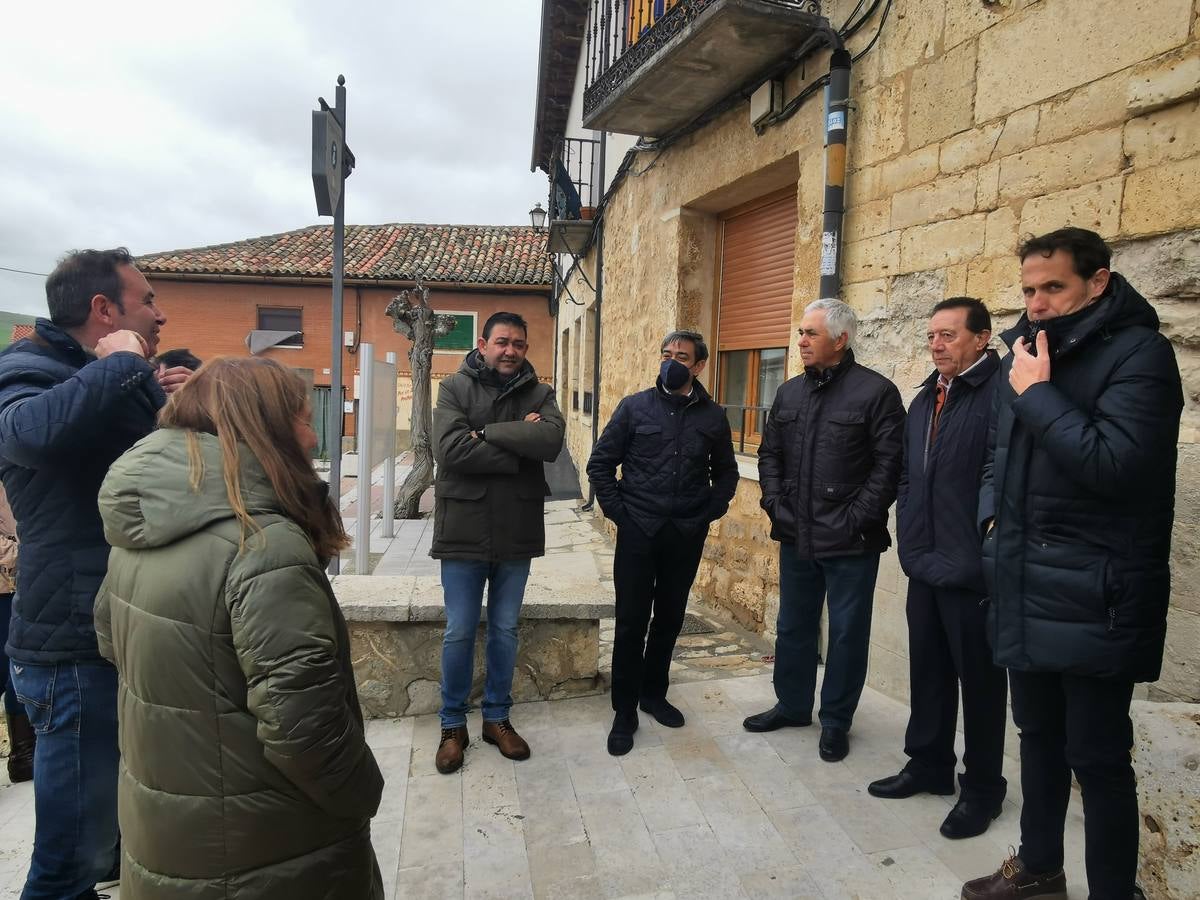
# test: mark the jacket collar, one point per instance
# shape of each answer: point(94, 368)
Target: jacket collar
point(976, 375)
point(59, 340)
point(474, 367)
point(698, 395)
point(821, 377)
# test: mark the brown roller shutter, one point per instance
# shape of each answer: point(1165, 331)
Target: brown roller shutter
point(758, 250)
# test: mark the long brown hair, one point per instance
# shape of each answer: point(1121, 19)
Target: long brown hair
point(253, 404)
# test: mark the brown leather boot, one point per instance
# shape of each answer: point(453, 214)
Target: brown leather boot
point(450, 751)
point(504, 736)
point(1014, 882)
point(21, 742)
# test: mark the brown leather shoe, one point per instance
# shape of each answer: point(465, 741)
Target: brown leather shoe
point(450, 751)
point(504, 736)
point(21, 743)
point(1014, 882)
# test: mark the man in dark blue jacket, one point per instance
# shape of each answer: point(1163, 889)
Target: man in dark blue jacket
point(1077, 505)
point(73, 398)
point(678, 474)
point(945, 445)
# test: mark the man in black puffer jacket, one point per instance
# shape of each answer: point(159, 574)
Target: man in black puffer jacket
point(1077, 505)
point(678, 474)
point(73, 398)
point(945, 447)
point(828, 467)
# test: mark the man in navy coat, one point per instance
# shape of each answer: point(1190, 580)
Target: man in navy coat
point(945, 448)
point(73, 397)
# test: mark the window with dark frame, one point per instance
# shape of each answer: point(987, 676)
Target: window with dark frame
point(747, 386)
point(283, 318)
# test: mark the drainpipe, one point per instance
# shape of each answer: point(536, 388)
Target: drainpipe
point(836, 114)
point(599, 304)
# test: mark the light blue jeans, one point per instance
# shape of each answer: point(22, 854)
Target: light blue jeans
point(462, 585)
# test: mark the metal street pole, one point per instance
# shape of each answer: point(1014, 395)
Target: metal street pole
point(332, 164)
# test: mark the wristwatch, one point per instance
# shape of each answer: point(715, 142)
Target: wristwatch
point(482, 435)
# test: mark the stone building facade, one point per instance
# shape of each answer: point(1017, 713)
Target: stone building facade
point(973, 122)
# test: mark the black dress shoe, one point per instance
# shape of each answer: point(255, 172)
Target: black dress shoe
point(834, 744)
point(772, 720)
point(969, 818)
point(664, 713)
point(906, 784)
point(620, 738)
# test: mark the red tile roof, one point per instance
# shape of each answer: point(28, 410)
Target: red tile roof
point(21, 331)
point(457, 254)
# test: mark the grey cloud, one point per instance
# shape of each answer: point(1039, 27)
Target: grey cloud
point(197, 131)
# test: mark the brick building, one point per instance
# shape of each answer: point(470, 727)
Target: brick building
point(276, 291)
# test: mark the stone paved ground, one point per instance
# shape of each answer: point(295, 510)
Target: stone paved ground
point(703, 811)
point(708, 810)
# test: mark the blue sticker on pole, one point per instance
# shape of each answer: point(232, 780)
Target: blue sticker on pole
point(836, 120)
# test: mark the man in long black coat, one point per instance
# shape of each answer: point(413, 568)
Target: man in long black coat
point(945, 447)
point(678, 474)
point(1077, 505)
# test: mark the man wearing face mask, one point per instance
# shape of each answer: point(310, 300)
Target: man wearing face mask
point(1076, 506)
point(678, 474)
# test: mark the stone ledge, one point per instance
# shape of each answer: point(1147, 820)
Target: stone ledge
point(418, 598)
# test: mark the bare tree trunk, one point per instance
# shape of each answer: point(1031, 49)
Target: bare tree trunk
point(414, 318)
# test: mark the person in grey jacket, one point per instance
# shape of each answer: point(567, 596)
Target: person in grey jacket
point(494, 426)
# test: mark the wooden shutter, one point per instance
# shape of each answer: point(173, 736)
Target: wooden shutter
point(758, 250)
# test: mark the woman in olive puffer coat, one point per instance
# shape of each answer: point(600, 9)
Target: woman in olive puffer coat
point(244, 772)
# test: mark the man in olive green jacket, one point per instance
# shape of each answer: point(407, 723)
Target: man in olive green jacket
point(494, 426)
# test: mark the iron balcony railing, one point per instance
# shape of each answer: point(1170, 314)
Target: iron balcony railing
point(573, 193)
point(622, 34)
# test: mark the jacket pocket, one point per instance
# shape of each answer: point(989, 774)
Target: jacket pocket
point(988, 555)
point(460, 519)
point(461, 490)
point(1067, 582)
point(647, 439)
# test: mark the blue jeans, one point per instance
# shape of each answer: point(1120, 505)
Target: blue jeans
point(462, 585)
point(73, 709)
point(12, 706)
point(849, 583)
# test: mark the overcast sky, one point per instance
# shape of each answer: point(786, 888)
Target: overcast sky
point(161, 126)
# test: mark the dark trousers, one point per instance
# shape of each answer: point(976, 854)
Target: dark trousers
point(650, 575)
point(948, 646)
point(1072, 722)
point(849, 583)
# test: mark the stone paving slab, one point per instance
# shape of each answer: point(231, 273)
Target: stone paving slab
point(707, 810)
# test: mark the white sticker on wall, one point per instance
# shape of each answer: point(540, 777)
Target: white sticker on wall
point(836, 120)
point(828, 253)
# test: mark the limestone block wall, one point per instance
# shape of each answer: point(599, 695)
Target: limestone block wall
point(974, 122)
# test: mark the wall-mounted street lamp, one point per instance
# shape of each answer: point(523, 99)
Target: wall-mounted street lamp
point(537, 216)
